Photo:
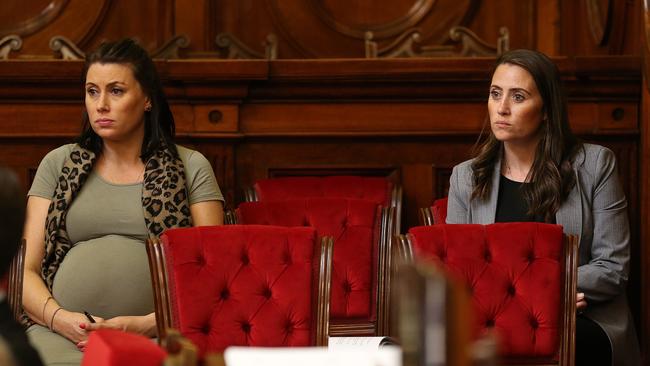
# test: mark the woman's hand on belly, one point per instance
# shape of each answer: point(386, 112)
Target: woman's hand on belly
point(71, 325)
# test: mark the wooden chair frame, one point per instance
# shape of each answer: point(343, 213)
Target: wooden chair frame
point(229, 217)
point(165, 317)
point(404, 251)
point(15, 282)
point(426, 216)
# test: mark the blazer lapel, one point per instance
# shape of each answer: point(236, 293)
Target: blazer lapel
point(570, 213)
point(485, 211)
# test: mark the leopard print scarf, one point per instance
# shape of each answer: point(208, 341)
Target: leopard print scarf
point(164, 201)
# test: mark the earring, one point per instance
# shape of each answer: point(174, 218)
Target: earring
point(147, 108)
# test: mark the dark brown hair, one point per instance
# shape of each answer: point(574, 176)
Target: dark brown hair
point(551, 177)
point(159, 126)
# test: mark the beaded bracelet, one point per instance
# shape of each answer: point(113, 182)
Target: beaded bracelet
point(52, 320)
point(44, 306)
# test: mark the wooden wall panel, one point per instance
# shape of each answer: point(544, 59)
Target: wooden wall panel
point(601, 27)
point(519, 16)
point(150, 21)
point(325, 29)
point(86, 23)
point(331, 29)
point(193, 18)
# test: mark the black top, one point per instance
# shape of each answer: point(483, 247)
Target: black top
point(511, 205)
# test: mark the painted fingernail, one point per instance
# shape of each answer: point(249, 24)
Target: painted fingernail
point(82, 325)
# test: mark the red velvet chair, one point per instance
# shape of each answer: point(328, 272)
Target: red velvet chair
point(376, 189)
point(242, 285)
point(436, 214)
point(110, 347)
point(522, 277)
point(362, 233)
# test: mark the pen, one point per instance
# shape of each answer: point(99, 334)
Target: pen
point(90, 318)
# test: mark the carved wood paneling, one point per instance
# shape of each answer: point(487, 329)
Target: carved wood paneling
point(9, 43)
point(75, 19)
point(383, 20)
point(599, 19)
point(26, 17)
point(600, 27)
point(518, 16)
point(86, 23)
point(325, 29)
point(317, 29)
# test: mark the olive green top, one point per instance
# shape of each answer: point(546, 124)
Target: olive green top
point(106, 272)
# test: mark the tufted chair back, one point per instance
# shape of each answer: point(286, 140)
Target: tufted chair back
point(522, 279)
point(376, 189)
point(436, 214)
point(242, 285)
point(361, 230)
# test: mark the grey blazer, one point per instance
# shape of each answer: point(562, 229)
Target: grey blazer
point(596, 210)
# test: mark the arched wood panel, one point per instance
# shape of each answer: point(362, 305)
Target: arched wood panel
point(85, 23)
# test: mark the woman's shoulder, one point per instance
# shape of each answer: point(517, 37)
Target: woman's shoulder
point(49, 170)
point(57, 156)
point(591, 156)
point(193, 161)
point(189, 156)
point(593, 150)
point(464, 168)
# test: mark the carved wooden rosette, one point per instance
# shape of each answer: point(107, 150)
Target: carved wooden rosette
point(236, 49)
point(171, 48)
point(9, 43)
point(66, 49)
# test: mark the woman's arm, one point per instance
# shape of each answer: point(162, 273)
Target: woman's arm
point(207, 213)
point(35, 293)
point(458, 201)
point(606, 274)
point(37, 300)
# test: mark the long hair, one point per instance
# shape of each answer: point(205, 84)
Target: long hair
point(551, 177)
point(159, 127)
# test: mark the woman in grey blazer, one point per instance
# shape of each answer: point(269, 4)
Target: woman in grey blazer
point(530, 167)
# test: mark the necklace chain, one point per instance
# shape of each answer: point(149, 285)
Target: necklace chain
point(133, 178)
point(508, 170)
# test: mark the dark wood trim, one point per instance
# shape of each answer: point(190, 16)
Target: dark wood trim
point(569, 289)
point(324, 285)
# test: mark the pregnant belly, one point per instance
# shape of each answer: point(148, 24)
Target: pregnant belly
point(107, 276)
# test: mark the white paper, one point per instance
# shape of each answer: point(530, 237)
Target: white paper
point(366, 343)
point(311, 356)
